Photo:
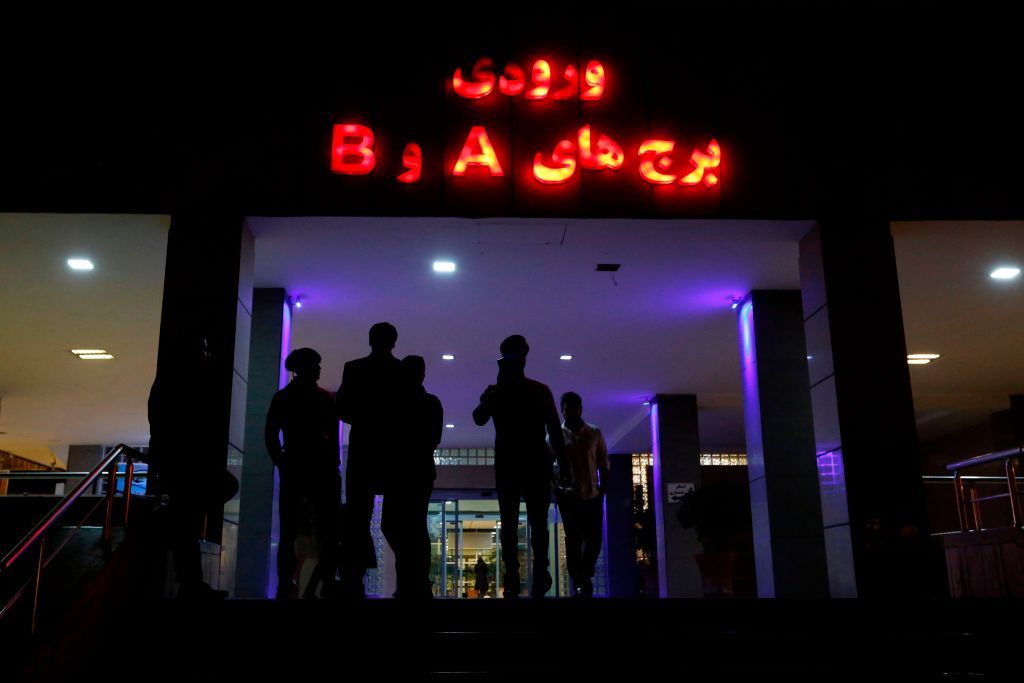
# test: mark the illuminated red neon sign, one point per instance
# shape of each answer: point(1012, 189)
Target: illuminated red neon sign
point(659, 161)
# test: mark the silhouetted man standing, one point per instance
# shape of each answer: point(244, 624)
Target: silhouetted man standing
point(366, 400)
point(419, 422)
point(308, 465)
point(582, 505)
point(522, 409)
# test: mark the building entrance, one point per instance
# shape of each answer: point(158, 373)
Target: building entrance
point(463, 532)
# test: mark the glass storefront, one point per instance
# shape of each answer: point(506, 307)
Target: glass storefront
point(464, 532)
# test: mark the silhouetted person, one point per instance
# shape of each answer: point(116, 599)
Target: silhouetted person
point(366, 400)
point(582, 504)
point(308, 466)
point(181, 400)
point(483, 581)
point(523, 410)
point(418, 423)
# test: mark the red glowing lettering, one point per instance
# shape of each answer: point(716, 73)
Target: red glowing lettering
point(655, 161)
point(594, 78)
point(512, 80)
point(712, 158)
point(482, 83)
point(353, 149)
point(572, 86)
point(606, 154)
point(477, 151)
point(412, 159)
point(541, 80)
point(564, 164)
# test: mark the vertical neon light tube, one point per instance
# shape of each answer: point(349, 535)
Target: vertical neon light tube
point(659, 502)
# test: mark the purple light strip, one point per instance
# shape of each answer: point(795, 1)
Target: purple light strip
point(659, 505)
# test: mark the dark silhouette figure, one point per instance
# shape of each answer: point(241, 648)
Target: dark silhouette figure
point(420, 421)
point(523, 410)
point(179, 440)
point(582, 503)
point(483, 581)
point(366, 400)
point(308, 466)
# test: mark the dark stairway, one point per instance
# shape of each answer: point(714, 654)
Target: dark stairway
point(602, 640)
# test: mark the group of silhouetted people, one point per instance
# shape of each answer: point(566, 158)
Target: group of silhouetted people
point(396, 425)
point(395, 428)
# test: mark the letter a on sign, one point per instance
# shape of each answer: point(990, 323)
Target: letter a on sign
point(477, 151)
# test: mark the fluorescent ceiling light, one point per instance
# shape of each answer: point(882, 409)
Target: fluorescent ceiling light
point(96, 356)
point(449, 426)
point(923, 356)
point(565, 357)
point(80, 264)
point(918, 361)
point(444, 267)
point(79, 352)
point(447, 356)
point(1006, 273)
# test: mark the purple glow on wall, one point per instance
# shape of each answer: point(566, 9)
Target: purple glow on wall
point(747, 348)
point(832, 480)
point(659, 506)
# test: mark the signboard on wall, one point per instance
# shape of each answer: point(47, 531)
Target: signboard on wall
point(538, 135)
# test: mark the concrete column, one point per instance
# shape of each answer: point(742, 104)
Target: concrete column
point(676, 454)
point(619, 527)
point(785, 507)
point(271, 321)
point(207, 294)
point(866, 437)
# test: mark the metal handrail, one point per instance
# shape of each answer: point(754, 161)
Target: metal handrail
point(967, 495)
point(985, 459)
point(37, 535)
point(56, 474)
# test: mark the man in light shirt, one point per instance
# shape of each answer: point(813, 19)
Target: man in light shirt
point(582, 504)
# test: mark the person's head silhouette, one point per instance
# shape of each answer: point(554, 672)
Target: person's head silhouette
point(513, 356)
point(572, 407)
point(383, 337)
point(414, 370)
point(305, 363)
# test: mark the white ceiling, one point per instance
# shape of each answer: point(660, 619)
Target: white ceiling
point(665, 327)
point(663, 324)
point(951, 306)
point(50, 398)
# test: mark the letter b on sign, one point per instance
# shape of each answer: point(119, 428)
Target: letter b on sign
point(352, 149)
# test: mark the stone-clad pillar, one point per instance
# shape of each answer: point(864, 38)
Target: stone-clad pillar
point(785, 507)
point(676, 450)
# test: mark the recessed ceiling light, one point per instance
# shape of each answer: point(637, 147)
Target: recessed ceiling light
point(918, 361)
point(96, 356)
point(447, 356)
point(646, 403)
point(923, 356)
point(444, 266)
point(80, 264)
point(79, 352)
point(1005, 273)
point(565, 357)
point(298, 302)
point(449, 426)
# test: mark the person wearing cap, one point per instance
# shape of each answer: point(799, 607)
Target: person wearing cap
point(366, 399)
point(525, 420)
point(308, 466)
